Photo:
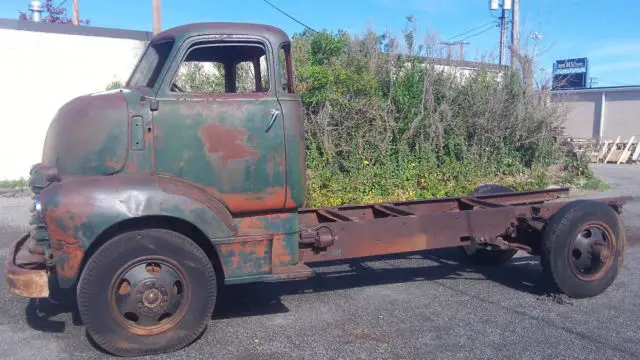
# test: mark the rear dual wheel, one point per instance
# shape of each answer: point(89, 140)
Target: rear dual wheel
point(147, 292)
point(582, 248)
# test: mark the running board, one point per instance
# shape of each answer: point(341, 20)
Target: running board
point(292, 272)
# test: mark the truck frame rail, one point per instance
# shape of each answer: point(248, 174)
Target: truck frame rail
point(503, 220)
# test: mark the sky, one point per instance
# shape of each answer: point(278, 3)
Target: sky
point(606, 32)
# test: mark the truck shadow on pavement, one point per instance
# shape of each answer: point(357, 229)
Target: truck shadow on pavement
point(522, 273)
point(40, 312)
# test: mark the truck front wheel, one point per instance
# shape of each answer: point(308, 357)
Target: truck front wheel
point(147, 292)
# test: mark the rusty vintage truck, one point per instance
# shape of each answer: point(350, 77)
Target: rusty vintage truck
point(149, 197)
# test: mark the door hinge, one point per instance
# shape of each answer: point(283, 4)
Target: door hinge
point(154, 105)
point(137, 133)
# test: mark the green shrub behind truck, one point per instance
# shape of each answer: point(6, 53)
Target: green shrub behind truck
point(150, 197)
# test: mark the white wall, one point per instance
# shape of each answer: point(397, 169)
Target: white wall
point(587, 119)
point(583, 115)
point(40, 71)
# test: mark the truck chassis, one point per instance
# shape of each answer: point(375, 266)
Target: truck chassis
point(493, 222)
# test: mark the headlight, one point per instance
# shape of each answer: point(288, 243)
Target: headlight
point(38, 208)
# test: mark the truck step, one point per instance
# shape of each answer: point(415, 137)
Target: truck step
point(293, 272)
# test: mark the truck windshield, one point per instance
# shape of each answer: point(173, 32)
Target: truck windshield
point(150, 64)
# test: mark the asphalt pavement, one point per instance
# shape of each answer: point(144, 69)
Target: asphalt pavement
point(426, 305)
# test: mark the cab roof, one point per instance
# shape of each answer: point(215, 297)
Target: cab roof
point(179, 33)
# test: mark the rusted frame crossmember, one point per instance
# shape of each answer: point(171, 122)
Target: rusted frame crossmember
point(315, 216)
point(378, 229)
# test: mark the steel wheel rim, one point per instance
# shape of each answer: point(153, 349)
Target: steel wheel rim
point(149, 295)
point(591, 251)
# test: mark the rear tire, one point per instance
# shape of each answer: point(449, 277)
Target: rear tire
point(480, 255)
point(147, 292)
point(583, 248)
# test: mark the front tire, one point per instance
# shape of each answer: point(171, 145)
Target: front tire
point(487, 256)
point(147, 292)
point(582, 248)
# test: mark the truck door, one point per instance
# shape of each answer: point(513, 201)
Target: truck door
point(218, 122)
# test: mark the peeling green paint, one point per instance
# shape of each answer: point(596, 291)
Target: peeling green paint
point(77, 211)
point(223, 146)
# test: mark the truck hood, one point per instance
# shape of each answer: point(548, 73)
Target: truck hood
point(88, 135)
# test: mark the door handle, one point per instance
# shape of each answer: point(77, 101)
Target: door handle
point(274, 115)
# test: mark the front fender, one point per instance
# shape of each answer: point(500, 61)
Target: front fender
point(78, 210)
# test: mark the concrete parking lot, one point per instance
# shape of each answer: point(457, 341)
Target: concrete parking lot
point(423, 306)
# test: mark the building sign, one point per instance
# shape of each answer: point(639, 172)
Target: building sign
point(571, 64)
point(570, 74)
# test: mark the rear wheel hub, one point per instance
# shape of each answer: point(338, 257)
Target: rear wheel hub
point(590, 252)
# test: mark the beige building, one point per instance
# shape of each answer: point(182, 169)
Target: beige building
point(601, 113)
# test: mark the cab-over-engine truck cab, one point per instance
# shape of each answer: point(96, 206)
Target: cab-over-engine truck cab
point(149, 196)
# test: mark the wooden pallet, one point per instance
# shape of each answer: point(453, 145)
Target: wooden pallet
point(619, 151)
point(607, 151)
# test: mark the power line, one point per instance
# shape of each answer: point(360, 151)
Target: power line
point(289, 16)
point(478, 33)
point(470, 30)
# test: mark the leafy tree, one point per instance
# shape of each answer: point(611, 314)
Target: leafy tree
point(54, 14)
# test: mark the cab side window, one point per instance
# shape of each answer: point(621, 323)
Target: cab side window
point(251, 76)
point(219, 67)
point(285, 69)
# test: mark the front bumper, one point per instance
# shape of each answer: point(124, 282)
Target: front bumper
point(26, 273)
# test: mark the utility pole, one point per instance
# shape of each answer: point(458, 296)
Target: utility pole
point(506, 5)
point(449, 44)
point(76, 15)
point(156, 17)
point(462, 44)
point(503, 33)
point(448, 48)
point(515, 27)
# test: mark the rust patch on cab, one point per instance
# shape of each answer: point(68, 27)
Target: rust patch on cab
point(281, 250)
point(247, 256)
point(230, 143)
point(271, 198)
point(65, 224)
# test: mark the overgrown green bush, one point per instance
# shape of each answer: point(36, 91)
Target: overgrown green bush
point(387, 126)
